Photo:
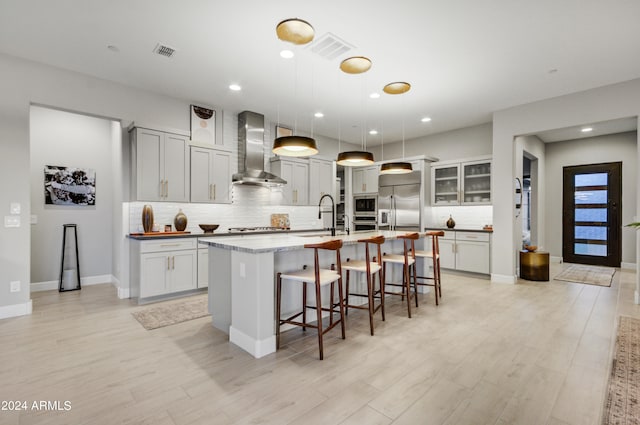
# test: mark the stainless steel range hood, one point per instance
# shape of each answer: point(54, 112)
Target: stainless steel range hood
point(251, 152)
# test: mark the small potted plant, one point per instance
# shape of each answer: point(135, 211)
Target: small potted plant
point(636, 224)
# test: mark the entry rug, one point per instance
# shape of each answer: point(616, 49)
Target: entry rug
point(171, 313)
point(592, 275)
point(622, 406)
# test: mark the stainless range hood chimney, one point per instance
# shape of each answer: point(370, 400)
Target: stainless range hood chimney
point(251, 152)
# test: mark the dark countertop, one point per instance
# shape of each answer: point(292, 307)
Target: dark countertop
point(161, 235)
point(459, 229)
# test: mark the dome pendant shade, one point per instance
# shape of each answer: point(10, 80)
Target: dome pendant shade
point(398, 87)
point(355, 65)
point(295, 31)
point(294, 146)
point(354, 158)
point(396, 168)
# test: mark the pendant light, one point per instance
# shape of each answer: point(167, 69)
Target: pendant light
point(356, 158)
point(399, 167)
point(295, 31)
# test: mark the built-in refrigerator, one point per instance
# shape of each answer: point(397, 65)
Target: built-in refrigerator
point(399, 204)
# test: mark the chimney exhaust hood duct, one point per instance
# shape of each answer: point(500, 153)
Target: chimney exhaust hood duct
point(251, 152)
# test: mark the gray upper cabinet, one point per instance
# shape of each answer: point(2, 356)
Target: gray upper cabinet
point(161, 166)
point(210, 175)
point(296, 172)
point(322, 178)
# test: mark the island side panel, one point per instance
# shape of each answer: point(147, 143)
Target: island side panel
point(253, 297)
point(220, 288)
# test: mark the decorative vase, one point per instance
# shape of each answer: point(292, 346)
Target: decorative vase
point(451, 223)
point(180, 221)
point(147, 218)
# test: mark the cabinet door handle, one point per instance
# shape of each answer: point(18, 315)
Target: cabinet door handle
point(173, 262)
point(210, 191)
point(364, 187)
point(161, 188)
point(168, 263)
point(214, 191)
point(166, 188)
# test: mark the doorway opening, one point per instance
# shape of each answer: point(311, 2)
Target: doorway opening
point(592, 213)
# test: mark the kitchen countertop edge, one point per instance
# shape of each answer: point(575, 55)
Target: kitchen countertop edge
point(446, 229)
point(210, 235)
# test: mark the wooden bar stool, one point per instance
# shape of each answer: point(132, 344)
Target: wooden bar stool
point(408, 260)
point(434, 255)
point(369, 267)
point(319, 277)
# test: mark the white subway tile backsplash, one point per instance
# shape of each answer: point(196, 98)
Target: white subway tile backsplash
point(468, 217)
point(252, 206)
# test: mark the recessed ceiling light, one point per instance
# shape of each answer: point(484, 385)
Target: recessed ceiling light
point(287, 54)
point(235, 87)
point(318, 115)
point(374, 95)
point(373, 132)
point(426, 119)
point(586, 129)
point(113, 48)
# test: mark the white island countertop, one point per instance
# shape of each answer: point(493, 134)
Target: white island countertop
point(288, 242)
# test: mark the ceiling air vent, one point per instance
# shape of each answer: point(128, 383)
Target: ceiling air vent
point(330, 46)
point(163, 50)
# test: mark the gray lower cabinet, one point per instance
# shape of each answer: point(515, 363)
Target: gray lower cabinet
point(466, 251)
point(163, 267)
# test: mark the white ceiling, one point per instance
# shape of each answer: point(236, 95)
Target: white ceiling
point(464, 59)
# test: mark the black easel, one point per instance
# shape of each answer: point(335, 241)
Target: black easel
point(64, 245)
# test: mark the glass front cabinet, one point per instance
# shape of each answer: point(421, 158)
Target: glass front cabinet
point(461, 183)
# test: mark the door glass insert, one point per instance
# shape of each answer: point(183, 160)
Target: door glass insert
point(590, 230)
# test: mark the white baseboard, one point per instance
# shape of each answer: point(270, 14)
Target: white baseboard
point(503, 278)
point(628, 266)
point(123, 293)
point(15, 310)
point(555, 260)
point(84, 281)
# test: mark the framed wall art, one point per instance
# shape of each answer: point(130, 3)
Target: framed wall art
point(203, 125)
point(69, 186)
point(283, 131)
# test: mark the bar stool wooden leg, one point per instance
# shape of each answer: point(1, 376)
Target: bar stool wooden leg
point(346, 308)
point(304, 307)
point(319, 315)
point(340, 294)
point(370, 296)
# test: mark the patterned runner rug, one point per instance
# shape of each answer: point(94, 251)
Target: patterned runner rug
point(167, 314)
point(622, 406)
point(592, 275)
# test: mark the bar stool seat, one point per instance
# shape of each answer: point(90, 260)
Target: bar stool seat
point(434, 256)
point(361, 266)
point(308, 275)
point(319, 277)
point(369, 267)
point(408, 260)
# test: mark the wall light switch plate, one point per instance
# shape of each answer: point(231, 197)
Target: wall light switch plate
point(15, 208)
point(34, 219)
point(14, 286)
point(11, 221)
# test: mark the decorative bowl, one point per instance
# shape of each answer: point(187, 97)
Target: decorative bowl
point(208, 228)
point(531, 248)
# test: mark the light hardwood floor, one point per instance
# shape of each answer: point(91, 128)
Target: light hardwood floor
point(530, 353)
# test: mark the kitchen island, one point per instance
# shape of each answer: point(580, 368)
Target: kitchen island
point(242, 273)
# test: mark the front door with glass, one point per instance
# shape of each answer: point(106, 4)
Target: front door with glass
point(592, 214)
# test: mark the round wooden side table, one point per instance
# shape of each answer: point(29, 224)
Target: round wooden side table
point(534, 265)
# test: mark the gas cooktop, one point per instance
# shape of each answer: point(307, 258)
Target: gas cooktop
point(256, 229)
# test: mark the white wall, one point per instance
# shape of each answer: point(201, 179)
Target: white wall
point(465, 142)
point(72, 140)
point(594, 150)
point(588, 107)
